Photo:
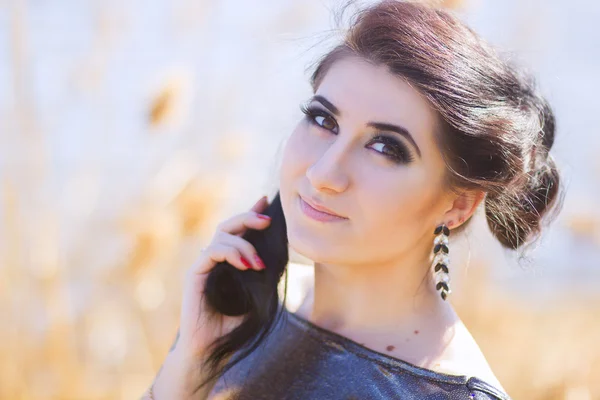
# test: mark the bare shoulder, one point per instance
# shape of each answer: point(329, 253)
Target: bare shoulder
point(468, 358)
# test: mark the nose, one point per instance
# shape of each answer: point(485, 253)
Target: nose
point(328, 174)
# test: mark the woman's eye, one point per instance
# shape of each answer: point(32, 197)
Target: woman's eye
point(380, 148)
point(391, 149)
point(319, 117)
point(325, 122)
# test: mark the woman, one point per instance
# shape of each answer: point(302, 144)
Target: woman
point(415, 122)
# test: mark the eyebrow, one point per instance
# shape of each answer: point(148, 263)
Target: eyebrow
point(383, 126)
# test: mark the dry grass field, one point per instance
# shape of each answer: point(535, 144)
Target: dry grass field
point(77, 328)
point(90, 287)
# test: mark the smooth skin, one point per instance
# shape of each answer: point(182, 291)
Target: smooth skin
point(370, 268)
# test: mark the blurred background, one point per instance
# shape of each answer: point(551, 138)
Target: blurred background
point(129, 129)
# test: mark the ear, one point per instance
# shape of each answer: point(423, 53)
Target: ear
point(463, 207)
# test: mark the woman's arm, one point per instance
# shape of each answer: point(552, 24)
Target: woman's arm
point(183, 371)
point(178, 376)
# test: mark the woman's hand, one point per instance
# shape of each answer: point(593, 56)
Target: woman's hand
point(198, 329)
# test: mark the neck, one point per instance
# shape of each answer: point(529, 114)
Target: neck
point(385, 297)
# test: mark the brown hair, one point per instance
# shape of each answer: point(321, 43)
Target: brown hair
point(495, 133)
point(495, 129)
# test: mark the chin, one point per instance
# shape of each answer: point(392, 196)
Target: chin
point(314, 248)
point(305, 244)
point(310, 240)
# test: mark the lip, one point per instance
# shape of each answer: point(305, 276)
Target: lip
point(318, 213)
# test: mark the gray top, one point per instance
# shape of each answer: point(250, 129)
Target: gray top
point(301, 360)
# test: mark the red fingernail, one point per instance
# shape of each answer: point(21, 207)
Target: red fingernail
point(259, 261)
point(262, 216)
point(245, 262)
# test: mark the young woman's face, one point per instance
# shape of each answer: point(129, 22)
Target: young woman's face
point(347, 154)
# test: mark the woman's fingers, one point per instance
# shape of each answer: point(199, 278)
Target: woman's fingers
point(245, 248)
point(228, 244)
point(238, 224)
point(220, 252)
point(253, 219)
point(260, 205)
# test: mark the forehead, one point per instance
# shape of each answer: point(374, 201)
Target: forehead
point(366, 92)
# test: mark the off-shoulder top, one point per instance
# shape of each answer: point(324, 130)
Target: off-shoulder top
point(301, 360)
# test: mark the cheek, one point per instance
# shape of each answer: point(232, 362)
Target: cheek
point(294, 162)
point(296, 157)
point(396, 205)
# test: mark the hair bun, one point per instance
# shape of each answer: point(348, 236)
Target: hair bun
point(547, 131)
point(515, 214)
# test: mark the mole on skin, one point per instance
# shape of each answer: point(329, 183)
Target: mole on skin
point(390, 347)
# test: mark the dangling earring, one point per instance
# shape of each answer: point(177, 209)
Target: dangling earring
point(441, 259)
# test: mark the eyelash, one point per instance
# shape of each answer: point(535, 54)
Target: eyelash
point(401, 155)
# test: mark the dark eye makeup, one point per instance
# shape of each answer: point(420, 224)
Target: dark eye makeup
point(398, 152)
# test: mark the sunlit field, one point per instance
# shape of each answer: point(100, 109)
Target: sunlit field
point(127, 135)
